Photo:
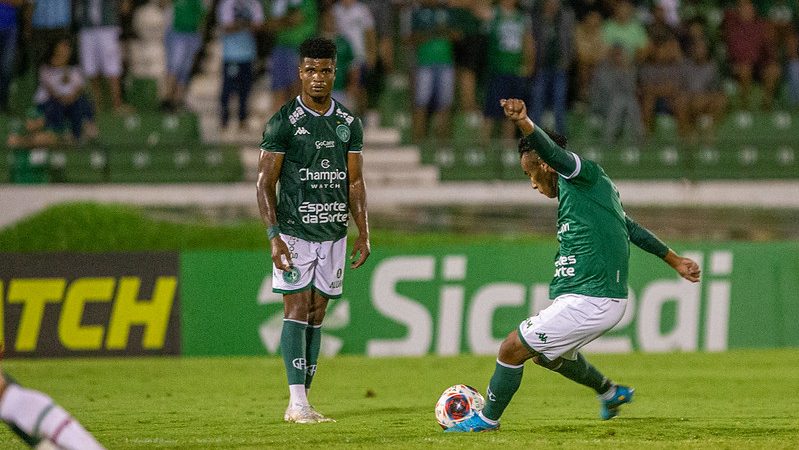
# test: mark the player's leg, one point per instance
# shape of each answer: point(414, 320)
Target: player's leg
point(565, 327)
point(313, 334)
point(502, 387)
point(328, 281)
point(313, 344)
point(295, 285)
point(293, 347)
point(34, 416)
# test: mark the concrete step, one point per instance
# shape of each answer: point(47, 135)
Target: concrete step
point(394, 157)
point(419, 176)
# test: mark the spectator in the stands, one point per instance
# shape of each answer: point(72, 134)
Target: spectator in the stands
point(60, 95)
point(706, 100)
point(590, 49)
point(431, 34)
point(385, 14)
point(9, 19)
point(553, 36)
point(783, 17)
point(661, 84)
point(625, 29)
point(33, 132)
point(660, 29)
point(614, 97)
point(509, 64)
point(291, 21)
point(347, 71)
point(99, 48)
point(469, 51)
point(355, 21)
point(49, 23)
point(238, 21)
point(584, 7)
point(751, 52)
point(183, 38)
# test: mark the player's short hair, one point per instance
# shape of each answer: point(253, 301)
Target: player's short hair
point(559, 139)
point(318, 48)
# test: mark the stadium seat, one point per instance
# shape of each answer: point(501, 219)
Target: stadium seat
point(149, 129)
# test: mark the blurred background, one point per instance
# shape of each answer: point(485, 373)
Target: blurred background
point(688, 104)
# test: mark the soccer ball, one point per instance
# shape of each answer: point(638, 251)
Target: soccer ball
point(457, 403)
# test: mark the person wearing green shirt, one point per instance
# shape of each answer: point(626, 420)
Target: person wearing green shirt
point(183, 40)
point(589, 287)
point(312, 146)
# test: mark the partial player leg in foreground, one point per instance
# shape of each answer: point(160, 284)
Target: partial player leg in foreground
point(300, 343)
point(552, 340)
point(35, 417)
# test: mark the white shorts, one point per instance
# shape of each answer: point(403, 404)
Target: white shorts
point(317, 265)
point(569, 323)
point(100, 52)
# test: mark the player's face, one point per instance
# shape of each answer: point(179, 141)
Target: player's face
point(542, 177)
point(317, 76)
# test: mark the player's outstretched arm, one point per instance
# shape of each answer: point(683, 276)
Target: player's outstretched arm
point(269, 165)
point(648, 242)
point(686, 267)
point(357, 203)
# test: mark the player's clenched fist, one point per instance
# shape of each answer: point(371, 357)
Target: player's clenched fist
point(514, 108)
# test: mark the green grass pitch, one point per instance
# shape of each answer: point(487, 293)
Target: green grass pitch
point(734, 400)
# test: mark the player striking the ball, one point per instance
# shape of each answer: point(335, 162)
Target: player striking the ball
point(589, 288)
point(312, 146)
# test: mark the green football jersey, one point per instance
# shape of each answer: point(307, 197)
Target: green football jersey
point(593, 257)
point(314, 184)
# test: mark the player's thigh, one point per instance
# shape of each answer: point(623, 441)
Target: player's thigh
point(569, 323)
point(329, 274)
point(300, 277)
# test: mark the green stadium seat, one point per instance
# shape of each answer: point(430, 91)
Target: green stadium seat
point(149, 129)
point(166, 164)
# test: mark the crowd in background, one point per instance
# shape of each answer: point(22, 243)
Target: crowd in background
point(624, 61)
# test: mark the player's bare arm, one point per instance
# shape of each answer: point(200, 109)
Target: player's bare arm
point(686, 267)
point(357, 203)
point(269, 166)
point(516, 111)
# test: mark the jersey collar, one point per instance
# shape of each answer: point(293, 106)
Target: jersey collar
point(329, 112)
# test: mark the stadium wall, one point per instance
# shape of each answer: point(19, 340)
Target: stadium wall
point(436, 300)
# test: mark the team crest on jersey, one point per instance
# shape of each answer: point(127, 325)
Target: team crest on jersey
point(301, 131)
point(291, 276)
point(343, 132)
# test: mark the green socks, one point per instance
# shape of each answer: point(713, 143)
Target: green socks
point(313, 342)
point(581, 371)
point(293, 347)
point(504, 383)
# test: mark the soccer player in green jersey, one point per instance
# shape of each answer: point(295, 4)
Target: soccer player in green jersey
point(589, 288)
point(312, 147)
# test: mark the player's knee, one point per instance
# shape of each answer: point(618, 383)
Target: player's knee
point(547, 363)
point(512, 351)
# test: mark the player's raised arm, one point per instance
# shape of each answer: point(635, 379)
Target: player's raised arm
point(648, 242)
point(269, 166)
point(564, 162)
point(361, 248)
